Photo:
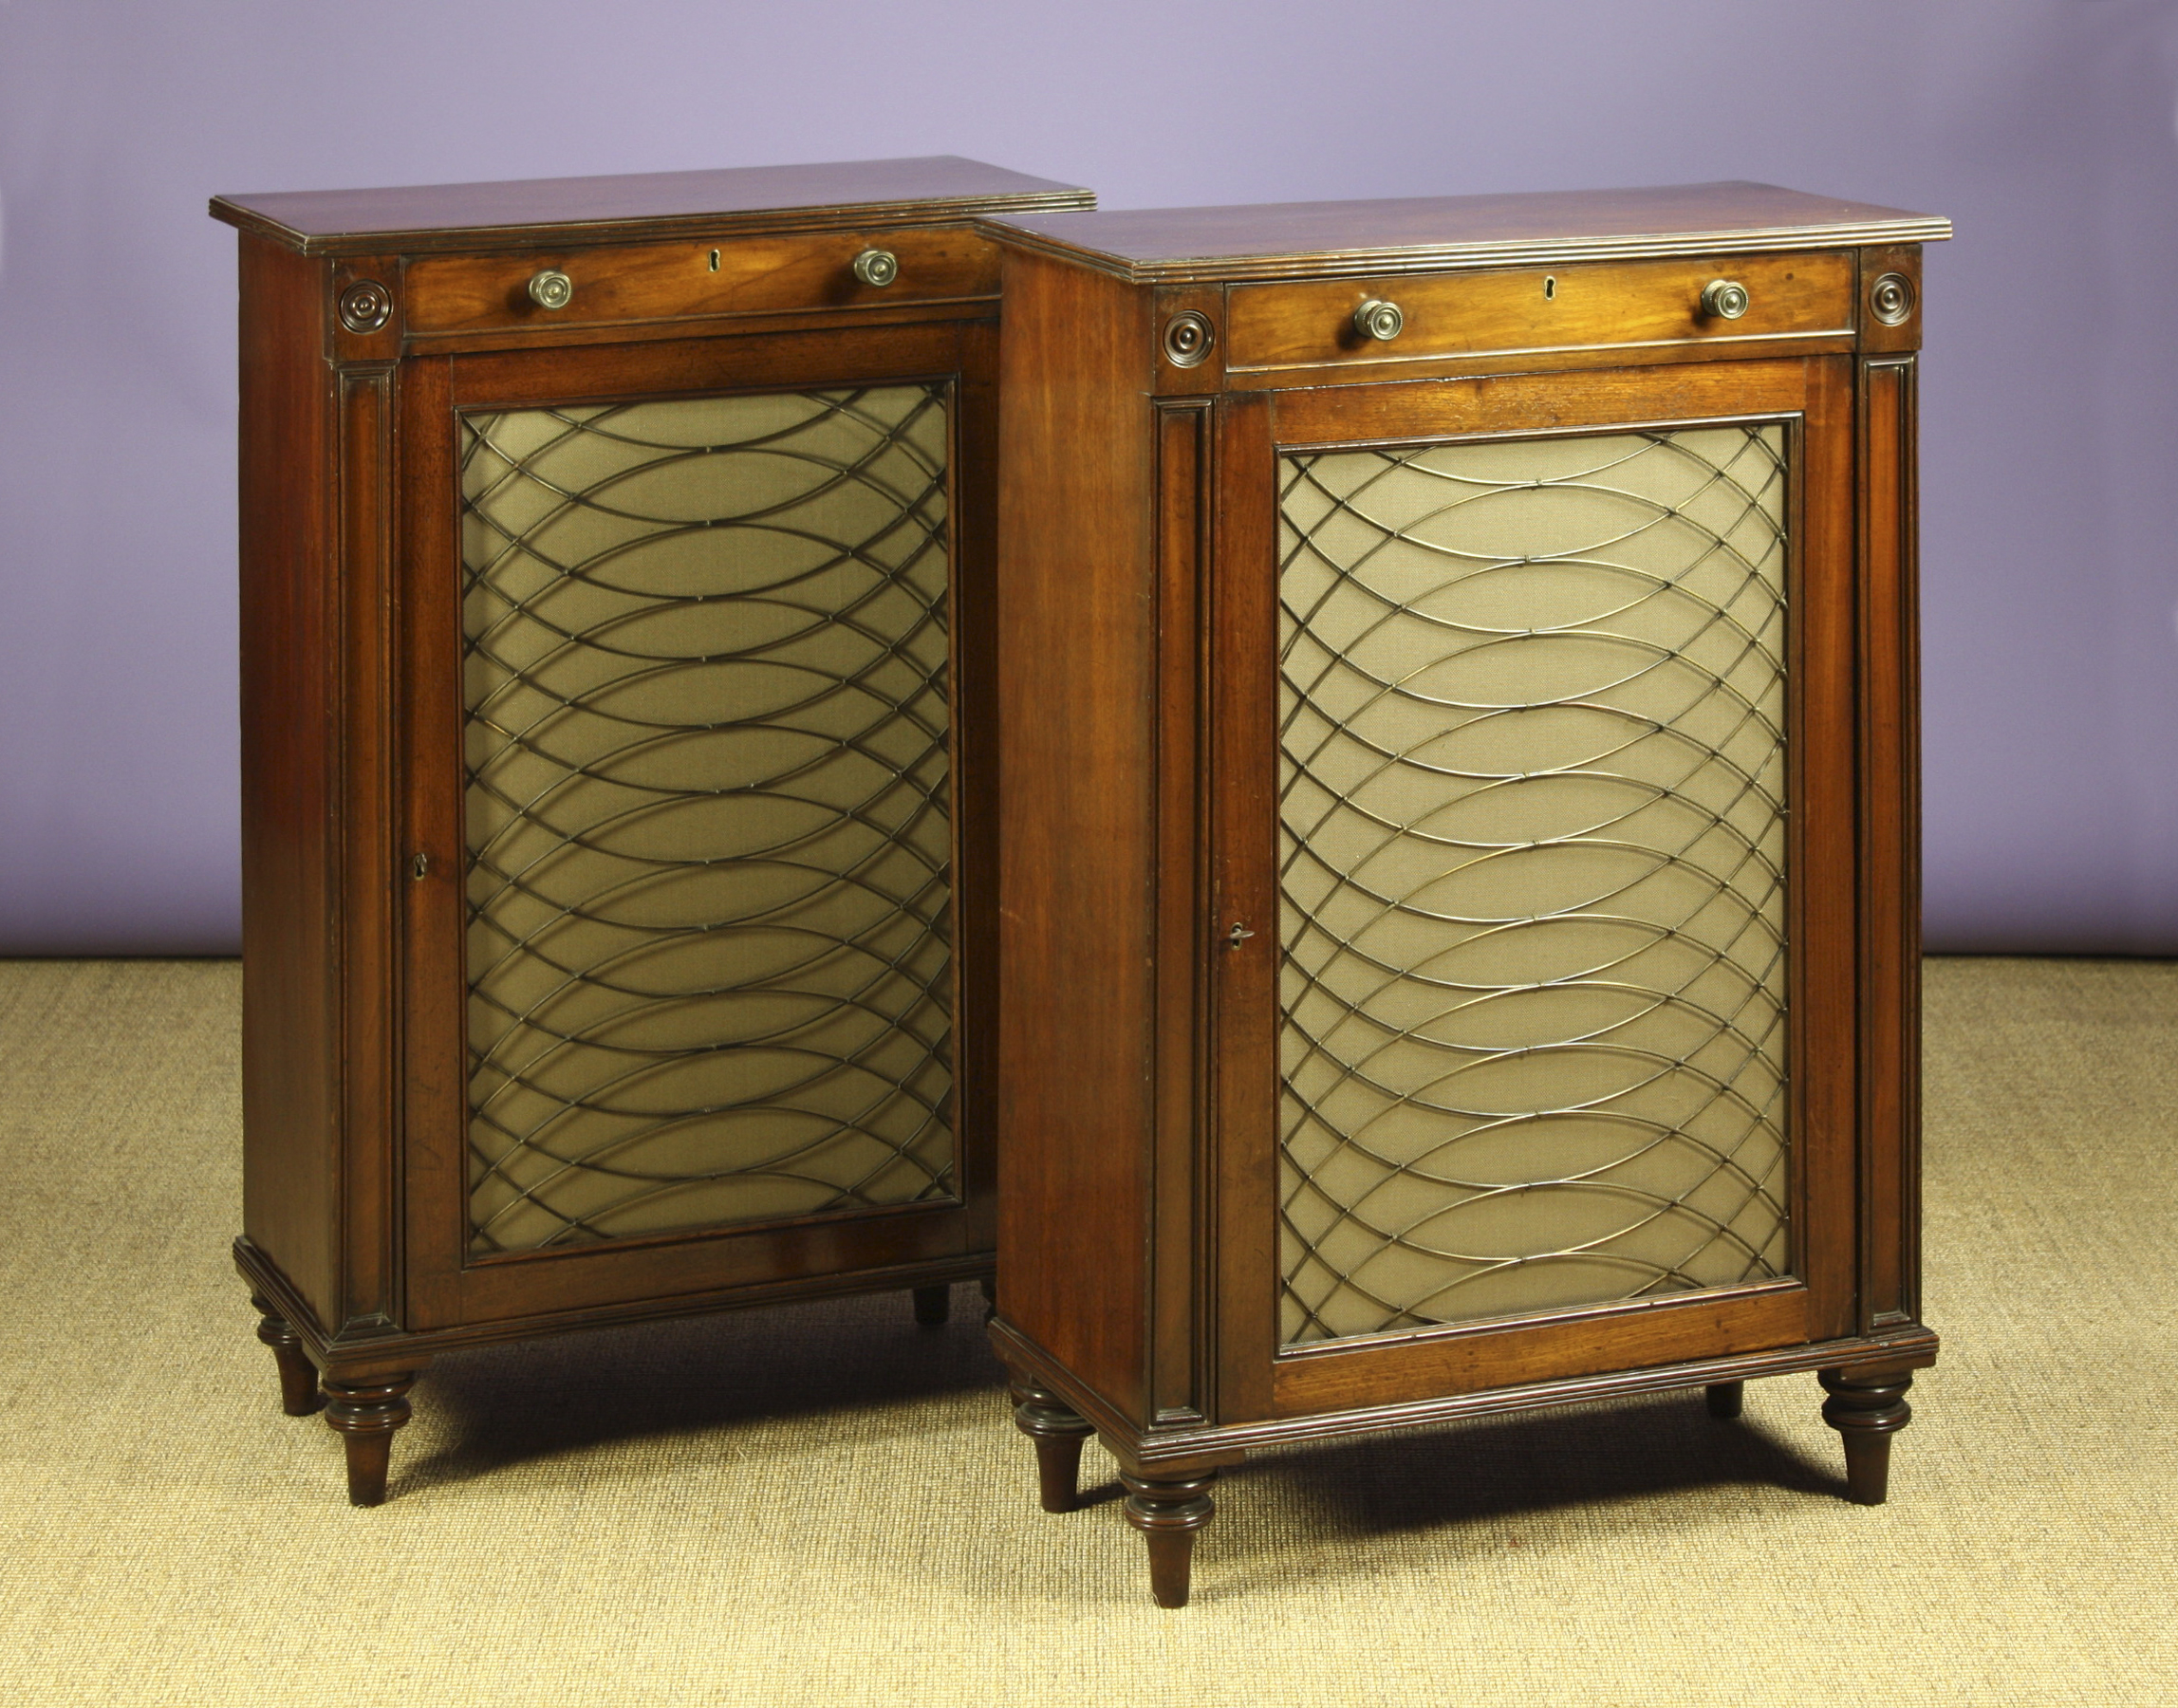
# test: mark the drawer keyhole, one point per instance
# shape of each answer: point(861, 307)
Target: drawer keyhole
point(1550, 289)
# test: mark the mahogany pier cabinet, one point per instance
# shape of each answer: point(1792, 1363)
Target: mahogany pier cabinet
point(617, 562)
point(1458, 843)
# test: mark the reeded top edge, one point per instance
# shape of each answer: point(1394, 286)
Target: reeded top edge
point(425, 217)
point(1300, 240)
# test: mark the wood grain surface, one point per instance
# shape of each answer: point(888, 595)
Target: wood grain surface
point(1297, 240)
point(420, 217)
point(665, 281)
point(1519, 310)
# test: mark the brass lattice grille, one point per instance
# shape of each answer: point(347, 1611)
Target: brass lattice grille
point(1533, 869)
point(707, 814)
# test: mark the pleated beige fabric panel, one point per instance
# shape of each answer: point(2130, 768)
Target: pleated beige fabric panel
point(1533, 867)
point(707, 812)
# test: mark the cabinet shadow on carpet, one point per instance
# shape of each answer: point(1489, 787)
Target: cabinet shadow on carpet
point(1632, 1456)
point(758, 1383)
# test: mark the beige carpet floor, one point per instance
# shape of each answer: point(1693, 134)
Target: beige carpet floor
point(826, 1505)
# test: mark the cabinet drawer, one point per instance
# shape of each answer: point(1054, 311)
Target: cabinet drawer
point(1539, 309)
point(668, 281)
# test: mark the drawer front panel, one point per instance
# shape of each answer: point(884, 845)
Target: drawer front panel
point(670, 281)
point(1539, 309)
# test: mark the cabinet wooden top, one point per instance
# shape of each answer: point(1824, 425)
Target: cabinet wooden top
point(421, 217)
point(1298, 240)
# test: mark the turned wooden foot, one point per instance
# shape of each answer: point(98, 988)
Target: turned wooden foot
point(1867, 1408)
point(366, 1410)
point(1058, 1431)
point(1168, 1511)
point(1725, 1397)
point(933, 1304)
point(299, 1395)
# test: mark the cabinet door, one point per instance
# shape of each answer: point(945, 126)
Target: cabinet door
point(690, 901)
point(1534, 784)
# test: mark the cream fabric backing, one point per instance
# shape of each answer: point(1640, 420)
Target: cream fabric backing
point(1532, 725)
point(707, 816)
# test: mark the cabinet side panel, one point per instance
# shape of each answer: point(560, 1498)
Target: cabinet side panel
point(364, 869)
point(1184, 500)
point(289, 1071)
point(977, 996)
point(1891, 844)
point(1076, 610)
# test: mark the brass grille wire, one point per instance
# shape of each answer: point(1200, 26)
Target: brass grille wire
point(1754, 881)
point(905, 993)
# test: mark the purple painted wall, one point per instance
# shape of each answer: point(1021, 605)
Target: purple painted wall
point(2043, 127)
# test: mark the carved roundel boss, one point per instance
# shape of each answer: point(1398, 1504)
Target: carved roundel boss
point(365, 306)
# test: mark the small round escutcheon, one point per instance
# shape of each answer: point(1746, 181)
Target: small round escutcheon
point(877, 268)
point(551, 289)
point(365, 306)
point(1724, 299)
point(1890, 299)
point(1188, 336)
point(1379, 321)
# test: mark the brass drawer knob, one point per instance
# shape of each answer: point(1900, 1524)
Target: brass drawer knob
point(1378, 320)
point(551, 289)
point(877, 266)
point(1724, 299)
